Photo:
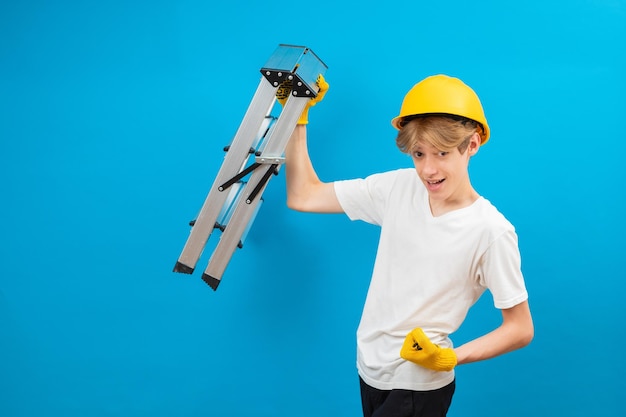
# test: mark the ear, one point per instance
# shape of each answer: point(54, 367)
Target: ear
point(474, 144)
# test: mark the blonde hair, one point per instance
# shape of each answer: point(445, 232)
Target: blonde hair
point(443, 132)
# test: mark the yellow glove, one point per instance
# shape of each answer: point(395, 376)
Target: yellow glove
point(418, 349)
point(285, 89)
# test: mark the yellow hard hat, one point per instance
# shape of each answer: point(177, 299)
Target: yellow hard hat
point(441, 94)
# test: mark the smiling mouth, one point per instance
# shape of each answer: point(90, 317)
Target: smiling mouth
point(435, 182)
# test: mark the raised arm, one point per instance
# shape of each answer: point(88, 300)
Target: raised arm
point(305, 191)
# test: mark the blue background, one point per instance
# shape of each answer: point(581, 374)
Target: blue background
point(112, 120)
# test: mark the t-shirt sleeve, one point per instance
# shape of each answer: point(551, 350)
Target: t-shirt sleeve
point(365, 199)
point(501, 271)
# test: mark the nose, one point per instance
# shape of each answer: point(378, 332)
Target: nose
point(429, 166)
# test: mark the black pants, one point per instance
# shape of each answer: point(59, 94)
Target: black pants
point(406, 403)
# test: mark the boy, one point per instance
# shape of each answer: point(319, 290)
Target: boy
point(441, 246)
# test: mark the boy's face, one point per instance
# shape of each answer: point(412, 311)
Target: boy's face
point(445, 174)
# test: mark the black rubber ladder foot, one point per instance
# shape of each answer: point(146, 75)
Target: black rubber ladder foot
point(212, 282)
point(183, 269)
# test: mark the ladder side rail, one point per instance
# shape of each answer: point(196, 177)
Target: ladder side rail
point(231, 236)
point(237, 154)
point(242, 215)
point(276, 142)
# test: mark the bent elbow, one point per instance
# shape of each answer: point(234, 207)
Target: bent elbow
point(295, 204)
point(525, 336)
point(528, 336)
point(316, 198)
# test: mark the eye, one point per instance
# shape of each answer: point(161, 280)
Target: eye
point(417, 154)
point(442, 153)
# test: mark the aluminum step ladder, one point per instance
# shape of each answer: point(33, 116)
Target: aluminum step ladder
point(253, 157)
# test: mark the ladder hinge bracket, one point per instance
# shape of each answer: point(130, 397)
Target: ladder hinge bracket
point(269, 160)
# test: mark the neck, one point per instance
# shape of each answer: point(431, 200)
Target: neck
point(454, 202)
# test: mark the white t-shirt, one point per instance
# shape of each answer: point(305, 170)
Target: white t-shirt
point(428, 272)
